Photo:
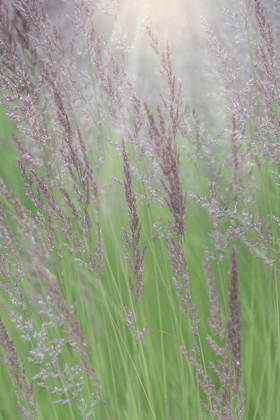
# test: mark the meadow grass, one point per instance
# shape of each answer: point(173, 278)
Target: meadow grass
point(93, 174)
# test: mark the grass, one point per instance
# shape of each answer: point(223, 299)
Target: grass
point(148, 378)
point(135, 386)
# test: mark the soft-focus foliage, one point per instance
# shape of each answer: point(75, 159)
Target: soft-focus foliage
point(139, 212)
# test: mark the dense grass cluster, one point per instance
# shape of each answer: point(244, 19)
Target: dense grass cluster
point(139, 229)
